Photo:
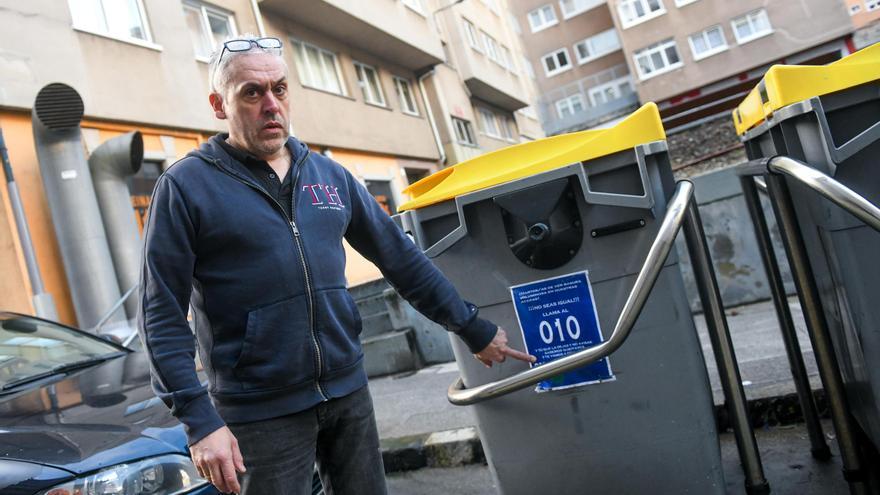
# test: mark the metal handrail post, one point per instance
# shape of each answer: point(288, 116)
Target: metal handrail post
point(725, 357)
point(826, 361)
point(818, 446)
point(653, 264)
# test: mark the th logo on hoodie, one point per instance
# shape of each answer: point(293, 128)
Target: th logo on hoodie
point(324, 196)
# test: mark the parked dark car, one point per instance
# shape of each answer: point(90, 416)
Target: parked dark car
point(78, 416)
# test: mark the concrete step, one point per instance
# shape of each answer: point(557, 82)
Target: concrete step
point(372, 305)
point(368, 289)
point(376, 325)
point(389, 353)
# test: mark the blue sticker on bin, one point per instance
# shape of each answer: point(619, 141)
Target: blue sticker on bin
point(557, 317)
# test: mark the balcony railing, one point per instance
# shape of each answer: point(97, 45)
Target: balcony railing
point(592, 114)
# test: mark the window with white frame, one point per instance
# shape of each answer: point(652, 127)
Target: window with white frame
point(471, 33)
point(571, 8)
point(570, 105)
point(508, 128)
point(856, 8)
point(656, 59)
point(542, 18)
point(597, 46)
point(707, 42)
point(464, 133)
point(610, 91)
point(414, 4)
point(368, 80)
point(556, 62)
point(871, 5)
point(492, 50)
point(405, 94)
point(633, 12)
point(488, 123)
point(508, 59)
point(318, 68)
point(208, 26)
point(751, 26)
point(682, 3)
point(123, 19)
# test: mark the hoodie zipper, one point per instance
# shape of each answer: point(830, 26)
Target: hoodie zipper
point(302, 255)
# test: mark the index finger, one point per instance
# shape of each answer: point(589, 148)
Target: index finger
point(522, 356)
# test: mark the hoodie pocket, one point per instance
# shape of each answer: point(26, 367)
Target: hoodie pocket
point(339, 328)
point(278, 350)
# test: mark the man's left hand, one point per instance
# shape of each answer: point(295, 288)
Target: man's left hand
point(497, 351)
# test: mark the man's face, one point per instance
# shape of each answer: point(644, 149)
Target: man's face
point(255, 103)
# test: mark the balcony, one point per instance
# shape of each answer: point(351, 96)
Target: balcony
point(390, 29)
point(593, 112)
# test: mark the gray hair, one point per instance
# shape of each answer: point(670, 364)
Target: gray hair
point(218, 73)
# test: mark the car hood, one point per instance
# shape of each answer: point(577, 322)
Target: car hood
point(97, 417)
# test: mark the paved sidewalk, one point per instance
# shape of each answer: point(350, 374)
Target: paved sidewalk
point(411, 407)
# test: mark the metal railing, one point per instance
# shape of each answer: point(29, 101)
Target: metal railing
point(829, 188)
point(775, 171)
point(657, 254)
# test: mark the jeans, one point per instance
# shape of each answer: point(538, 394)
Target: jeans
point(280, 453)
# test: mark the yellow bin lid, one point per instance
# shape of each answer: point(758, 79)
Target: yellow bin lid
point(531, 158)
point(783, 85)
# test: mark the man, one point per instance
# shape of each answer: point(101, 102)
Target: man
point(249, 229)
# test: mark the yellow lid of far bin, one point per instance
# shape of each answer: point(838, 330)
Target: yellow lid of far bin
point(531, 158)
point(783, 85)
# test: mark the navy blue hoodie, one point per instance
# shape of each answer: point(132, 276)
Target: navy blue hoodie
point(276, 327)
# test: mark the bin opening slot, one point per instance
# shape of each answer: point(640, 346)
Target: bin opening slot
point(542, 223)
point(625, 180)
point(618, 228)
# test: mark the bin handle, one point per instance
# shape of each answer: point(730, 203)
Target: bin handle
point(657, 254)
point(828, 187)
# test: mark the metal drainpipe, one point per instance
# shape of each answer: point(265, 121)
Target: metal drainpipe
point(111, 164)
point(56, 117)
point(44, 305)
point(431, 115)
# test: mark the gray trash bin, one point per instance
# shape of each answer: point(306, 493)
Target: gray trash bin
point(585, 201)
point(829, 118)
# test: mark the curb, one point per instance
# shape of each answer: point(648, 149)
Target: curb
point(448, 448)
point(462, 446)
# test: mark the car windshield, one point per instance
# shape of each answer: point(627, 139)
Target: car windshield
point(30, 347)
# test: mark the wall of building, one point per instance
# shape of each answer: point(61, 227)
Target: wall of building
point(796, 25)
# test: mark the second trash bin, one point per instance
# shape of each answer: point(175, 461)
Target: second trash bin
point(552, 234)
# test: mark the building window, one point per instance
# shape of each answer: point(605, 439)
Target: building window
point(556, 62)
point(856, 8)
point(571, 8)
point(384, 194)
point(415, 5)
point(317, 68)
point(488, 124)
point(597, 46)
point(123, 19)
point(368, 80)
point(570, 105)
point(405, 94)
point(871, 5)
point(529, 68)
point(208, 26)
point(708, 42)
point(464, 134)
point(751, 26)
point(508, 59)
point(658, 58)
point(610, 91)
point(471, 32)
point(633, 12)
point(492, 50)
point(542, 18)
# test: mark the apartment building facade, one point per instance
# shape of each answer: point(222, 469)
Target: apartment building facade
point(698, 58)
point(357, 71)
point(575, 54)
